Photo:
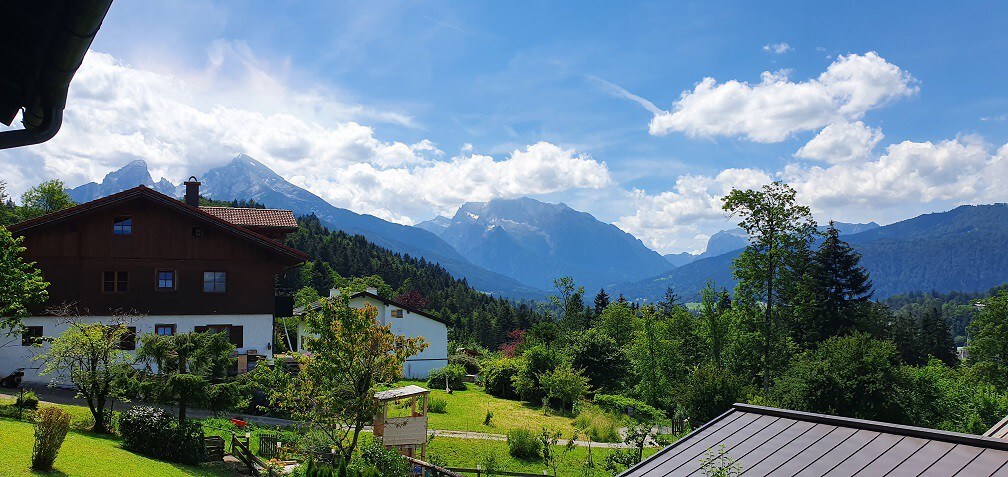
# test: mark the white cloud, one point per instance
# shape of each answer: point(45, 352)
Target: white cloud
point(841, 142)
point(402, 194)
point(183, 125)
point(776, 107)
point(951, 171)
point(908, 179)
point(777, 48)
point(679, 219)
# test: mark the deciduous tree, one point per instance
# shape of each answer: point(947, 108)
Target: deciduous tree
point(45, 198)
point(90, 356)
point(780, 232)
point(21, 286)
point(348, 357)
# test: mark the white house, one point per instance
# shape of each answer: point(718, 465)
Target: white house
point(405, 321)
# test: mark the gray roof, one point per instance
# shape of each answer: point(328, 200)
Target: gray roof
point(399, 393)
point(768, 441)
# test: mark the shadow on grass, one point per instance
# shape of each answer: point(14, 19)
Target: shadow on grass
point(49, 473)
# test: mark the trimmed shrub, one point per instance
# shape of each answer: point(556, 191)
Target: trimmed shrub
point(51, 426)
point(498, 377)
point(471, 365)
point(153, 432)
point(620, 405)
point(28, 400)
point(437, 405)
point(455, 375)
point(522, 444)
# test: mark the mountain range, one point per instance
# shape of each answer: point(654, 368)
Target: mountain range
point(958, 250)
point(728, 240)
point(516, 247)
point(535, 242)
point(245, 178)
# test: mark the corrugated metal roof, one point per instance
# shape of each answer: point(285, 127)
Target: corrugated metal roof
point(249, 217)
point(766, 441)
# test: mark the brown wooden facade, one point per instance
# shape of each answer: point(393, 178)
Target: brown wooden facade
point(75, 249)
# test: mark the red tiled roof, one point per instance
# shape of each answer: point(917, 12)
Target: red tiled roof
point(253, 217)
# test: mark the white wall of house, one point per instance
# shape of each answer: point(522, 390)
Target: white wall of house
point(257, 331)
point(411, 325)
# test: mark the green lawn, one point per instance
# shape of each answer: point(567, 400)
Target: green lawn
point(80, 416)
point(467, 409)
point(84, 455)
point(470, 453)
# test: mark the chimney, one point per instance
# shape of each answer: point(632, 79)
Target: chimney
point(334, 292)
point(192, 191)
point(372, 290)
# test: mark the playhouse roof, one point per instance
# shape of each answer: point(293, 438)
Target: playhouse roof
point(400, 393)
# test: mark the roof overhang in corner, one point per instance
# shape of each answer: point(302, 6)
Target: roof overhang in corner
point(43, 45)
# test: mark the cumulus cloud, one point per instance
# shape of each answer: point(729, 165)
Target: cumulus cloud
point(677, 219)
point(185, 124)
point(907, 179)
point(953, 171)
point(776, 107)
point(841, 142)
point(777, 48)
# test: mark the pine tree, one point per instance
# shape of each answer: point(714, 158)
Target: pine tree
point(601, 301)
point(935, 338)
point(840, 284)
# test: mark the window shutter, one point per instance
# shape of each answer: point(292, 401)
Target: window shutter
point(237, 336)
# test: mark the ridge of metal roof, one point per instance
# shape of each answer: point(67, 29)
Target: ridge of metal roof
point(878, 426)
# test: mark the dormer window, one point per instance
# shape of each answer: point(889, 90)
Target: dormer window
point(122, 226)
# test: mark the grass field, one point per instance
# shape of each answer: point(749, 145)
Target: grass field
point(84, 455)
point(470, 453)
point(81, 419)
point(467, 409)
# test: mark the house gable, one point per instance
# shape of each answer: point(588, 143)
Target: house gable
point(77, 247)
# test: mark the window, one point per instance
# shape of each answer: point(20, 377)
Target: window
point(115, 282)
point(214, 282)
point(165, 280)
point(164, 330)
point(397, 313)
point(235, 334)
point(128, 339)
point(31, 335)
point(122, 226)
point(197, 232)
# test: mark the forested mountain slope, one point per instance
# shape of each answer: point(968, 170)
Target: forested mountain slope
point(482, 317)
point(963, 249)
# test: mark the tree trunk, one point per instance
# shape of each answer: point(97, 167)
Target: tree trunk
point(771, 269)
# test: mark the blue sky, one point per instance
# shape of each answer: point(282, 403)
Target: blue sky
point(406, 110)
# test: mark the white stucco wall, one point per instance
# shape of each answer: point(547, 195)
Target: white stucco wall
point(257, 331)
point(411, 325)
